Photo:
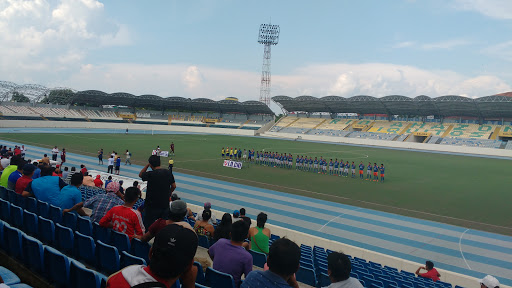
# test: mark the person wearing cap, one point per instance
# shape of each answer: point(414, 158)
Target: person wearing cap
point(45, 188)
point(489, 282)
point(28, 172)
point(15, 175)
point(177, 212)
point(124, 218)
point(70, 199)
point(13, 166)
point(236, 216)
point(97, 182)
point(190, 214)
point(338, 268)
point(229, 256)
point(100, 204)
point(431, 271)
point(171, 257)
point(207, 206)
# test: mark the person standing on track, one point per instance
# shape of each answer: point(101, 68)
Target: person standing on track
point(110, 168)
point(118, 164)
point(172, 148)
point(63, 157)
point(55, 152)
point(100, 156)
point(128, 156)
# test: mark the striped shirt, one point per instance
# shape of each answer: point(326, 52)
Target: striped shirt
point(101, 204)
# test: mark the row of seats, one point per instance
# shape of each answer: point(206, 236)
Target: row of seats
point(393, 127)
point(373, 136)
point(335, 124)
point(10, 279)
point(482, 143)
point(307, 123)
point(471, 131)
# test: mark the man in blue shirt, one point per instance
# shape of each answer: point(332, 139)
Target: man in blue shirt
point(45, 188)
point(283, 261)
point(15, 175)
point(381, 172)
point(375, 172)
point(361, 169)
point(331, 167)
point(70, 196)
point(336, 166)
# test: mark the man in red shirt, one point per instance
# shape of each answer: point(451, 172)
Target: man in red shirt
point(28, 172)
point(431, 271)
point(124, 218)
point(98, 182)
point(83, 169)
point(171, 257)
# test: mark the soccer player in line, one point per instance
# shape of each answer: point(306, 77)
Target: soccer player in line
point(375, 172)
point(336, 166)
point(347, 165)
point(353, 169)
point(331, 167)
point(231, 153)
point(342, 167)
point(239, 154)
point(369, 171)
point(315, 165)
point(222, 153)
point(381, 172)
point(361, 169)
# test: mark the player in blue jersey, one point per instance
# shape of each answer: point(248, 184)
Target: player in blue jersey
point(353, 169)
point(336, 166)
point(324, 167)
point(310, 164)
point(297, 162)
point(315, 165)
point(331, 167)
point(369, 171)
point(347, 165)
point(381, 172)
point(361, 170)
point(342, 166)
point(375, 172)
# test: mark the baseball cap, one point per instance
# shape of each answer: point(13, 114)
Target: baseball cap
point(178, 207)
point(490, 281)
point(29, 168)
point(236, 213)
point(174, 197)
point(113, 187)
point(207, 205)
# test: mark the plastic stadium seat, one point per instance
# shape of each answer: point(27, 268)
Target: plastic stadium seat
point(140, 249)
point(3, 193)
point(33, 253)
point(198, 285)
point(101, 233)
point(20, 200)
point(55, 214)
point(84, 225)
point(323, 280)
point(306, 276)
point(200, 273)
point(5, 208)
point(30, 223)
point(128, 259)
point(120, 241)
point(2, 239)
point(274, 237)
point(43, 209)
point(203, 241)
point(13, 240)
point(81, 277)
point(64, 239)
point(11, 196)
point(31, 205)
point(85, 248)
point(21, 285)
point(16, 216)
point(306, 264)
point(69, 220)
point(216, 279)
point(107, 258)
point(56, 266)
point(46, 231)
point(258, 259)
point(9, 277)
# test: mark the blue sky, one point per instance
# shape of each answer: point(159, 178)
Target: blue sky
point(209, 48)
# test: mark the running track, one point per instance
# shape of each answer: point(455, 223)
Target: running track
point(457, 249)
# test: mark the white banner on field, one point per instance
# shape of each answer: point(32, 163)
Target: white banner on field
point(164, 153)
point(232, 164)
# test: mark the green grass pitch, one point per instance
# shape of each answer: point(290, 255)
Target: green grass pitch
point(469, 191)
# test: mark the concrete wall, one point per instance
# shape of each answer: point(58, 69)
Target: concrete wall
point(394, 144)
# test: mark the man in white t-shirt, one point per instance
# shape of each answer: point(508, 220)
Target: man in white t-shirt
point(55, 152)
point(110, 168)
point(128, 156)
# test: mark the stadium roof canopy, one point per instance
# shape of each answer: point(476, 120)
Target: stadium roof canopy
point(496, 106)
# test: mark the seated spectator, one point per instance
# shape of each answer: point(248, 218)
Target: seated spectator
point(190, 214)
point(83, 169)
point(97, 182)
point(65, 173)
point(28, 172)
point(57, 171)
point(5, 162)
point(15, 175)
point(207, 206)
point(489, 282)
point(245, 218)
point(202, 227)
point(338, 268)
point(46, 159)
point(431, 271)
point(45, 188)
point(259, 235)
point(223, 230)
point(176, 214)
point(73, 171)
point(37, 172)
point(283, 261)
point(101, 203)
point(70, 199)
point(171, 257)
point(13, 166)
point(230, 257)
point(109, 179)
point(236, 216)
point(121, 189)
point(124, 218)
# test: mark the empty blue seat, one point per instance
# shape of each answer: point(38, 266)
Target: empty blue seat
point(31, 205)
point(120, 241)
point(16, 216)
point(2, 239)
point(140, 249)
point(216, 279)
point(85, 248)
point(128, 259)
point(81, 277)
point(200, 273)
point(9, 277)
point(306, 276)
point(11, 196)
point(203, 241)
point(107, 258)
point(69, 220)
point(13, 239)
point(55, 214)
point(43, 209)
point(46, 230)
point(84, 225)
point(64, 239)
point(3, 193)
point(56, 266)
point(5, 210)
point(323, 280)
point(258, 259)
point(21, 285)
point(30, 223)
point(101, 233)
point(274, 237)
point(33, 253)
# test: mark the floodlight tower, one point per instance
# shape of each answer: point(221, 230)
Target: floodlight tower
point(268, 36)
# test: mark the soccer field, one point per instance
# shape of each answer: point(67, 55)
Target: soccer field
point(461, 190)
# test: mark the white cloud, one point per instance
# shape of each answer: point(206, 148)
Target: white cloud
point(500, 9)
point(501, 50)
point(404, 44)
point(441, 45)
point(192, 77)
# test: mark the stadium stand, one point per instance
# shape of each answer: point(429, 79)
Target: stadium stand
point(394, 127)
point(471, 131)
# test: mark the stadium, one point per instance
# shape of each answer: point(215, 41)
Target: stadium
point(445, 159)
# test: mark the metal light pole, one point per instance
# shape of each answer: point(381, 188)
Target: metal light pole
point(269, 35)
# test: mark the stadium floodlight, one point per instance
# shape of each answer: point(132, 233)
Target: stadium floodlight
point(268, 36)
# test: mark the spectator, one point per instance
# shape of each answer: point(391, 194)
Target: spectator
point(73, 171)
point(5, 162)
point(65, 173)
point(15, 175)
point(109, 180)
point(245, 218)
point(283, 262)
point(223, 230)
point(97, 182)
point(338, 268)
point(489, 282)
point(190, 214)
point(121, 189)
point(37, 172)
point(207, 206)
point(177, 212)
point(128, 156)
point(56, 171)
point(203, 227)
point(260, 235)
point(45, 159)
point(28, 172)
point(236, 216)
point(124, 218)
point(45, 188)
point(83, 169)
point(13, 166)
point(160, 185)
point(118, 165)
point(70, 196)
point(100, 204)
point(230, 257)
point(55, 152)
point(171, 257)
point(110, 168)
point(431, 271)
